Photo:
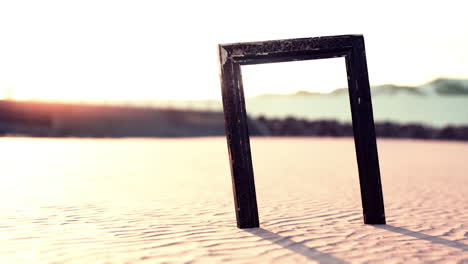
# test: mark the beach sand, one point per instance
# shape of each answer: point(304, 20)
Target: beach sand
point(170, 201)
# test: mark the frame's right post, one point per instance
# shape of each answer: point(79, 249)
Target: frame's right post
point(364, 134)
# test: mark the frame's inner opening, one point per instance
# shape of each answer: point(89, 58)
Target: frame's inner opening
point(296, 99)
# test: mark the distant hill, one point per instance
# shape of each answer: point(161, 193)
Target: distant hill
point(386, 89)
point(444, 86)
point(441, 86)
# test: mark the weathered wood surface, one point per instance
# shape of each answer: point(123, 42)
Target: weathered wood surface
point(232, 56)
point(237, 133)
point(364, 134)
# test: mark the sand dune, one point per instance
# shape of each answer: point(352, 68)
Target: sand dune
point(170, 201)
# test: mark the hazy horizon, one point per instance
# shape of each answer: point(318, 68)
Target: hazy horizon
point(10, 96)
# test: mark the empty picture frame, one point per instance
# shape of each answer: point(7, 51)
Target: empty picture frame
point(232, 56)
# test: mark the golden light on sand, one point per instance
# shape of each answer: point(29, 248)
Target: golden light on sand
point(136, 200)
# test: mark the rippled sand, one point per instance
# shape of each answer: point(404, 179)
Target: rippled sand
point(170, 201)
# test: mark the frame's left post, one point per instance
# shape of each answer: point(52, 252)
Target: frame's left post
point(238, 142)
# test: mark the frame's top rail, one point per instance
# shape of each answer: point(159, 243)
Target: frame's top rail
point(329, 43)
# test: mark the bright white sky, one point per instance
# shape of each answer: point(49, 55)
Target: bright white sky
point(144, 50)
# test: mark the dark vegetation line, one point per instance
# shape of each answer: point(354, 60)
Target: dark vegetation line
point(330, 128)
point(74, 120)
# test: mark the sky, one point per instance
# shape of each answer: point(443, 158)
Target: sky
point(150, 50)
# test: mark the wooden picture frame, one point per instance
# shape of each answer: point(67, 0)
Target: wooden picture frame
point(351, 47)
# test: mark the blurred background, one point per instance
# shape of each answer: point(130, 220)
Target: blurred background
point(150, 69)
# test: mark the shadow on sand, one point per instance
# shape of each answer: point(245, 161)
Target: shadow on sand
point(433, 239)
point(321, 257)
point(294, 246)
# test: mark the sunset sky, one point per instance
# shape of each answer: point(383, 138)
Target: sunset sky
point(145, 50)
